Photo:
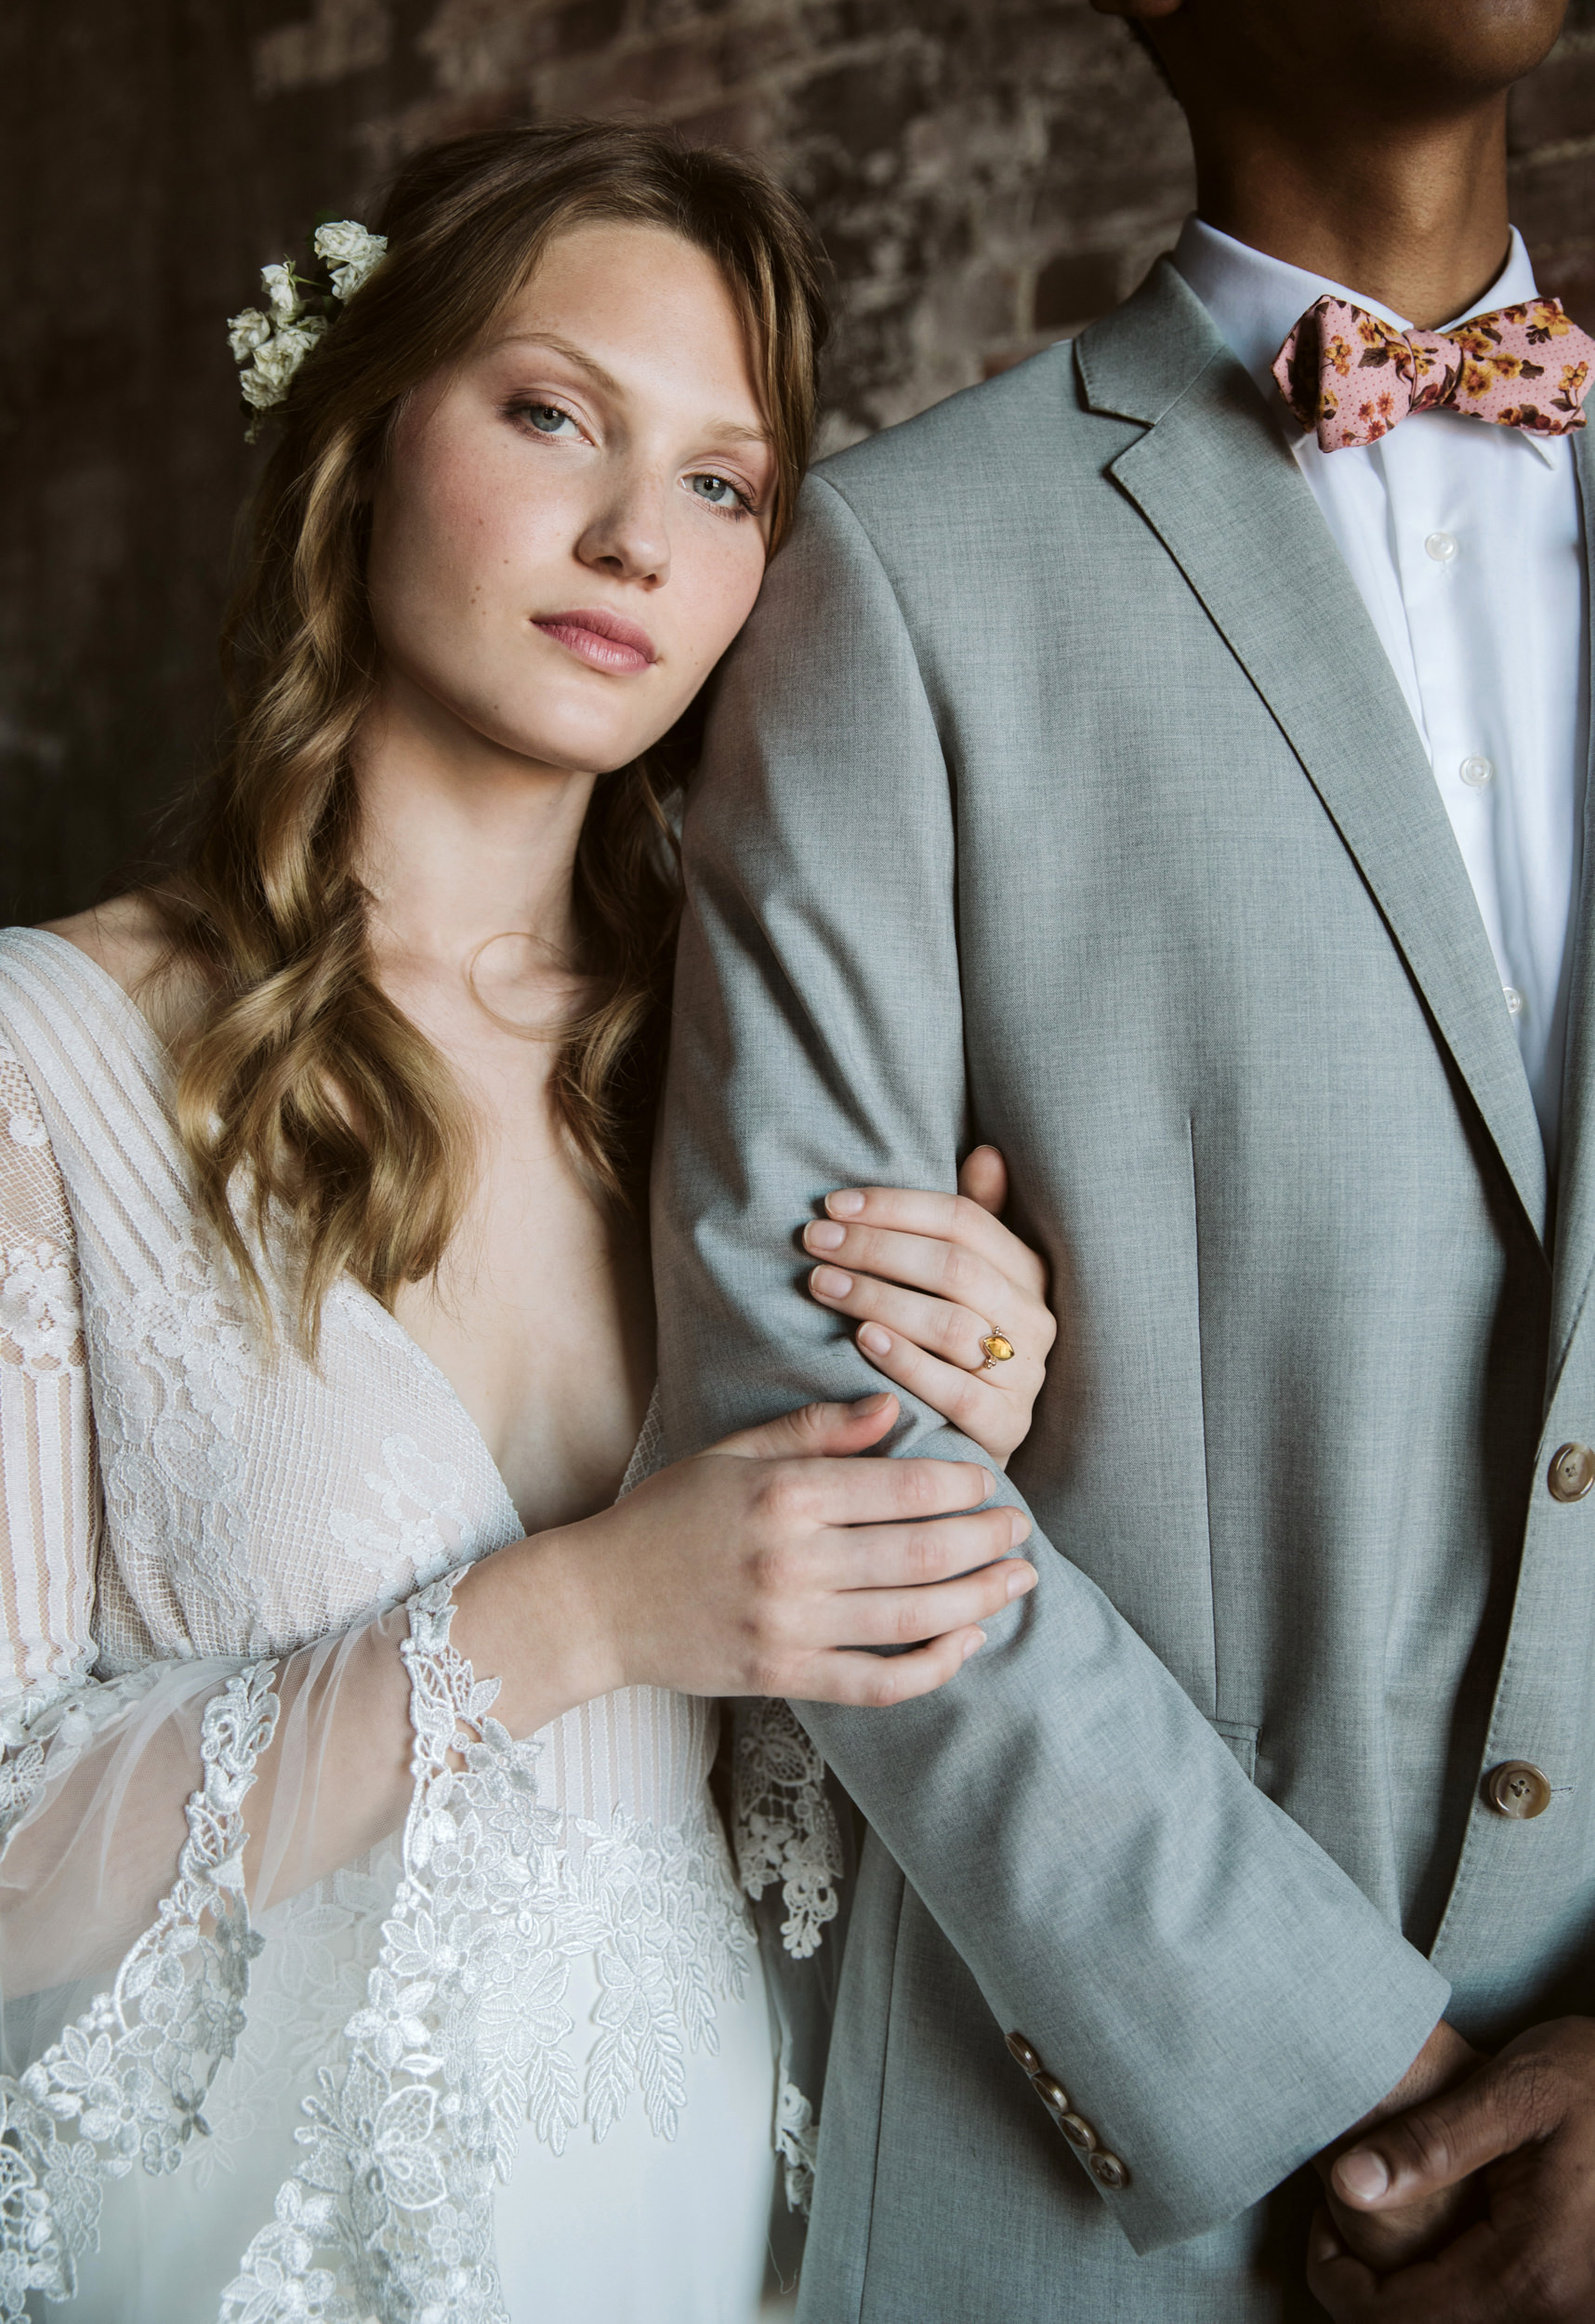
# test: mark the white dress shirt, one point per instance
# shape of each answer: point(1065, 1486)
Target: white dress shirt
point(1467, 543)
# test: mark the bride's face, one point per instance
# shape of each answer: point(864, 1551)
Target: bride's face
point(572, 524)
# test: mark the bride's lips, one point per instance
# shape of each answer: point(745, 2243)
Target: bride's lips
point(607, 640)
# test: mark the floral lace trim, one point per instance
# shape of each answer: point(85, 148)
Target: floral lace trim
point(460, 2044)
point(45, 1723)
point(126, 2084)
point(783, 1826)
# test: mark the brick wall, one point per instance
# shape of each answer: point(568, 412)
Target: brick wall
point(988, 175)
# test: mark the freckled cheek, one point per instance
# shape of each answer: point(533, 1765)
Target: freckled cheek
point(487, 540)
point(718, 593)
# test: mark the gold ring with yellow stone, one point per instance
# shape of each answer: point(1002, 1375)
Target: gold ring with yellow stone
point(998, 1348)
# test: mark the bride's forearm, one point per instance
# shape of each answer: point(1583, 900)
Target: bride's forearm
point(84, 1873)
point(524, 1616)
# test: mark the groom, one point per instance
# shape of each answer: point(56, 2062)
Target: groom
point(1167, 761)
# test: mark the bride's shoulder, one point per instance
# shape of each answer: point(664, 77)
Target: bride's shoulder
point(131, 940)
point(125, 938)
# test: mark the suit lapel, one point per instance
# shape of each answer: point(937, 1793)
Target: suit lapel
point(1574, 1239)
point(1214, 478)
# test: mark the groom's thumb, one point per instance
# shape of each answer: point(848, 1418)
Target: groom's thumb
point(816, 1430)
point(1431, 2146)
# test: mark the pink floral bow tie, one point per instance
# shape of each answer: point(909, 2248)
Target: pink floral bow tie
point(1353, 378)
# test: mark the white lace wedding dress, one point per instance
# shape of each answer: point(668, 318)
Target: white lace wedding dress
point(513, 2062)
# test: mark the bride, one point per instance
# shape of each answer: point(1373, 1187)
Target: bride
point(369, 1940)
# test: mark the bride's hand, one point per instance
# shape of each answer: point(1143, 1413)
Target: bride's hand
point(929, 1278)
point(757, 1567)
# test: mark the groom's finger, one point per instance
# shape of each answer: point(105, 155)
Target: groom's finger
point(1437, 2145)
point(1337, 2279)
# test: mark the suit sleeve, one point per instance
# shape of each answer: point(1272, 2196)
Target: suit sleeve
point(1219, 1998)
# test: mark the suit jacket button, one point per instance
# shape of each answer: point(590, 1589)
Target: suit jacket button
point(1109, 2172)
point(1052, 2094)
point(1518, 1788)
point(1021, 2050)
point(1078, 2132)
point(1572, 1473)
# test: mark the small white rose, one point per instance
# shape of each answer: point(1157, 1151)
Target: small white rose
point(270, 376)
point(347, 279)
point(346, 239)
point(259, 392)
point(278, 283)
point(352, 254)
point(246, 332)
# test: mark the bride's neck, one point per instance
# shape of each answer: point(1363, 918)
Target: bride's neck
point(461, 843)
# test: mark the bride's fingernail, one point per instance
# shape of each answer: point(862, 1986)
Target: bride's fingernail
point(866, 1407)
point(846, 1204)
point(873, 1340)
point(830, 1283)
point(972, 1645)
point(1024, 1580)
point(821, 1234)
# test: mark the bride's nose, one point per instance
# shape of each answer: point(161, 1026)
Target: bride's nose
point(627, 537)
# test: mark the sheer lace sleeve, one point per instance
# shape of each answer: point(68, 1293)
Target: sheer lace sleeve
point(131, 1853)
point(49, 1498)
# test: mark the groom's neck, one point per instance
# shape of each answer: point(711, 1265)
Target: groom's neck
point(1361, 139)
point(1413, 215)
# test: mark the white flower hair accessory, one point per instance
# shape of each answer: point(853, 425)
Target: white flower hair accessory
point(269, 348)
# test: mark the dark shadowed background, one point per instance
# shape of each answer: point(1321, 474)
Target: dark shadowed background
point(988, 175)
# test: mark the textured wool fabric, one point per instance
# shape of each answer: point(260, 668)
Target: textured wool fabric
point(1353, 377)
point(1059, 794)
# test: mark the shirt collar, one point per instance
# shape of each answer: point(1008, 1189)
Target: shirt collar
point(1257, 301)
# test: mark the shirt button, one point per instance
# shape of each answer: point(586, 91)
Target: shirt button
point(1476, 770)
point(1514, 1000)
point(1445, 547)
point(1519, 1789)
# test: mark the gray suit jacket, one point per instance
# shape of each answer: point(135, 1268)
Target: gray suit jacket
point(1059, 794)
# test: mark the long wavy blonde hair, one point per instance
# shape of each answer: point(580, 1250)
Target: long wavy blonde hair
point(318, 1119)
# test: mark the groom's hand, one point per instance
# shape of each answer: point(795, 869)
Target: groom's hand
point(1394, 2234)
point(1526, 2122)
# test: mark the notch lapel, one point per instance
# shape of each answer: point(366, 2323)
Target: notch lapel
point(1216, 481)
point(1574, 1240)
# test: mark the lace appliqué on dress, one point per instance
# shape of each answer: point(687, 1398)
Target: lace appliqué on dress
point(126, 2084)
point(783, 1827)
point(460, 2044)
point(798, 2144)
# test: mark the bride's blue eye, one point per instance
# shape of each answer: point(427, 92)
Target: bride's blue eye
point(717, 493)
point(547, 418)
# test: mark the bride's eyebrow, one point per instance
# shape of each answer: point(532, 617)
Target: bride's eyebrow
point(554, 344)
point(723, 431)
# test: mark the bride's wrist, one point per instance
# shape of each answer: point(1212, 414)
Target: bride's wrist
point(532, 1618)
